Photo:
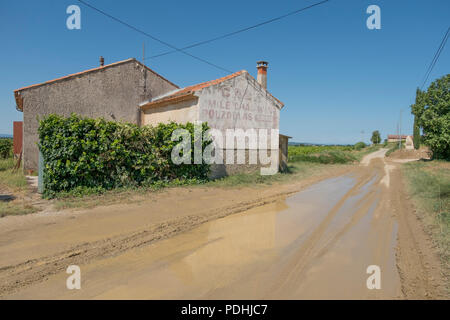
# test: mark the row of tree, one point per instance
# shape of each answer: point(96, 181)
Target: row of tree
point(431, 112)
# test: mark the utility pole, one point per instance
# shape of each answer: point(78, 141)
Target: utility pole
point(398, 133)
point(400, 130)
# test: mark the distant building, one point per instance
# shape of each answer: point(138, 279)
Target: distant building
point(407, 139)
point(396, 138)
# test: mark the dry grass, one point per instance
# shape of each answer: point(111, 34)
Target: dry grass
point(14, 181)
point(90, 201)
point(13, 185)
point(15, 208)
point(296, 171)
point(429, 186)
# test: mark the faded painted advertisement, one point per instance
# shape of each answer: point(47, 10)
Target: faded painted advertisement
point(239, 103)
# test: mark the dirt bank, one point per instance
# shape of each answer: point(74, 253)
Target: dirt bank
point(413, 154)
point(417, 260)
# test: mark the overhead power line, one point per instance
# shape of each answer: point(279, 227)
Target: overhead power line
point(240, 30)
point(435, 58)
point(153, 37)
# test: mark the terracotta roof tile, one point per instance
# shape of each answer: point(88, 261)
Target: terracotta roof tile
point(191, 89)
point(202, 85)
point(396, 136)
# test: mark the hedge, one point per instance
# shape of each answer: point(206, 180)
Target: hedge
point(359, 145)
point(6, 145)
point(95, 153)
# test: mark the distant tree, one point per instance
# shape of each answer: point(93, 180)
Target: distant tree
point(376, 137)
point(417, 110)
point(359, 145)
point(418, 107)
point(416, 133)
point(432, 110)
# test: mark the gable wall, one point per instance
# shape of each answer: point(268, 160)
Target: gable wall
point(238, 103)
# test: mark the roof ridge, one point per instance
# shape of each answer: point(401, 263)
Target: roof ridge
point(188, 90)
point(215, 81)
point(17, 91)
point(92, 70)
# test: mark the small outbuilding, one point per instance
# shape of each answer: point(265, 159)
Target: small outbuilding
point(407, 139)
point(396, 138)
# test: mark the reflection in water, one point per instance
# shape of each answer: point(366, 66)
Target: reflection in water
point(231, 249)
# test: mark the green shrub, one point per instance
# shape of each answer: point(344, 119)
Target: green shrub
point(392, 146)
point(416, 133)
point(94, 154)
point(6, 145)
point(359, 145)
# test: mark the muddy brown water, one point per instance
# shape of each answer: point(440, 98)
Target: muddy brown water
point(317, 243)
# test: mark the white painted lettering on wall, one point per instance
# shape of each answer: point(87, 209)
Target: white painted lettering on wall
point(228, 107)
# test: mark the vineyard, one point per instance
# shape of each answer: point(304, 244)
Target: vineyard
point(304, 150)
point(326, 154)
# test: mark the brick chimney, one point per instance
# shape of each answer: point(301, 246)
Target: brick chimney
point(262, 73)
point(102, 61)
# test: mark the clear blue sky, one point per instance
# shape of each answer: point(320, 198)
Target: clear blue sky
point(334, 75)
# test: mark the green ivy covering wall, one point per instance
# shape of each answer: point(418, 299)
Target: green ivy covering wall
point(95, 153)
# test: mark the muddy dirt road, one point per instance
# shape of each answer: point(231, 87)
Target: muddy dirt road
point(263, 244)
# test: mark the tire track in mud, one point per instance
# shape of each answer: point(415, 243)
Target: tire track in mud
point(363, 206)
point(417, 266)
point(291, 273)
point(15, 277)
